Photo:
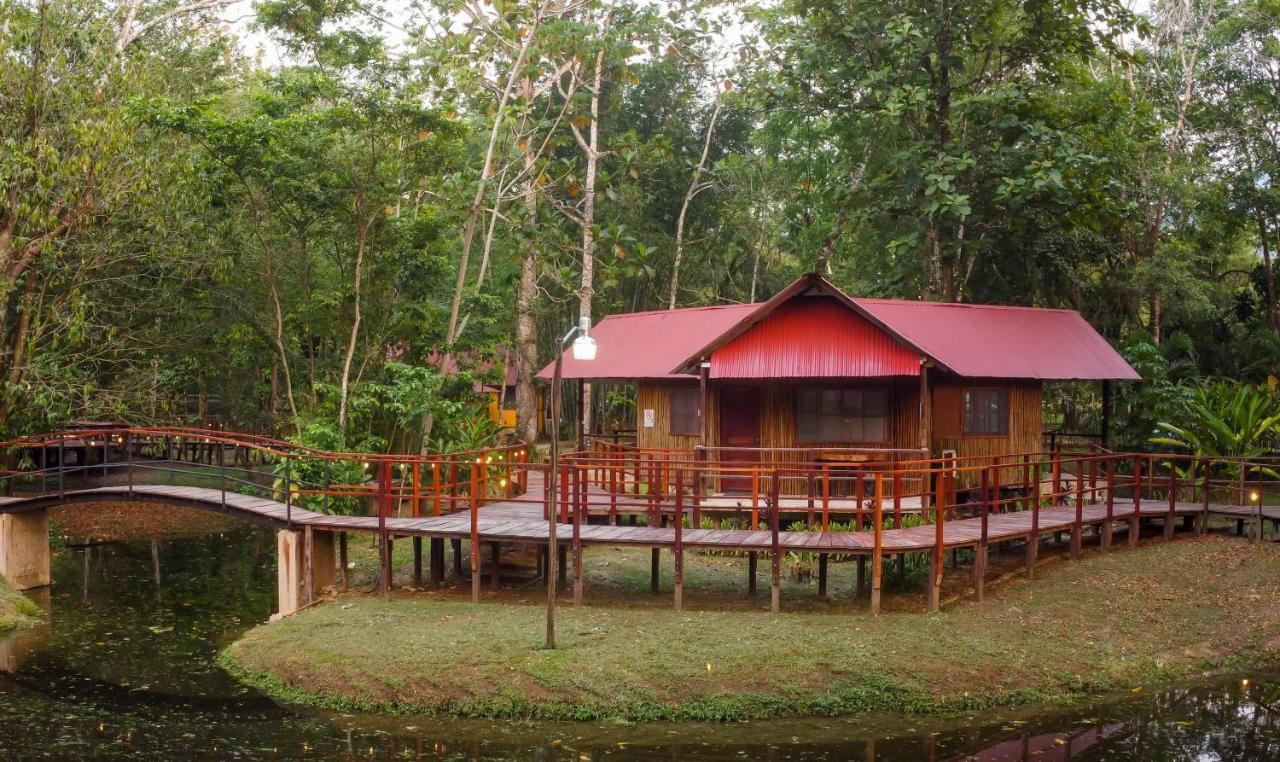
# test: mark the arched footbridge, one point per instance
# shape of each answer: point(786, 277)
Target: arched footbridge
point(878, 512)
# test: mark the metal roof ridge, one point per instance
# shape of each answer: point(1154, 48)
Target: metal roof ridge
point(970, 305)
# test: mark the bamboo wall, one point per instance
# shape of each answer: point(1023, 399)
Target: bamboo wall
point(777, 421)
point(1025, 425)
point(657, 396)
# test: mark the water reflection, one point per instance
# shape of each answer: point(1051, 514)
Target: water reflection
point(125, 669)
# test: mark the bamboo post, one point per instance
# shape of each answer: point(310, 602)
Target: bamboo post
point(1173, 501)
point(877, 556)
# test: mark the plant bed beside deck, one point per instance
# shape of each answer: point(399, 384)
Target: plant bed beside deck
point(1119, 621)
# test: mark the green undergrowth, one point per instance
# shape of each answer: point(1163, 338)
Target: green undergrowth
point(16, 610)
point(1119, 621)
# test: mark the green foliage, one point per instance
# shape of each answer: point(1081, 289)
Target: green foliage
point(1226, 419)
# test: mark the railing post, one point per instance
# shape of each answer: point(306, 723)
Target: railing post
point(128, 464)
point(288, 490)
point(62, 464)
point(416, 476)
point(1202, 521)
point(325, 488)
point(877, 555)
point(435, 487)
point(1077, 523)
point(1173, 501)
point(1135, 521)
point(678, 548)
point(1111, 504)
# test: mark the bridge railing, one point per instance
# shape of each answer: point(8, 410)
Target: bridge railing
point(300, 477)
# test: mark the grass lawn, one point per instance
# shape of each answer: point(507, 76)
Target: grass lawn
point(1110, 622)
point(16, 610)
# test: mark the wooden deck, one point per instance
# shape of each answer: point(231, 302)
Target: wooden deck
point(522, 522)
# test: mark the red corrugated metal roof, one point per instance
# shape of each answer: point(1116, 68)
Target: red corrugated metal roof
point(991, 341)
point(648, 345)
point(814, 337)
point(972, 340)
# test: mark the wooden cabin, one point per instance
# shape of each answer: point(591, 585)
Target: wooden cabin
point(814, 374)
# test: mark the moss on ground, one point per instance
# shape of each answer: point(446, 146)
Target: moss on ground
point(16, 610)
point(1110, 622)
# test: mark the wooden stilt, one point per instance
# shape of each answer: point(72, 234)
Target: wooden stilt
point(457, 557)
point(822, 575)
point(417, 562)
point(654, 556)
point(437, 562)
point(862, 576)
point(308, 571)
point(753, 559)
point(342, 559)
point(877, 556)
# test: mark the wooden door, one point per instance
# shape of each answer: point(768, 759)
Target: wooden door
point(739, 428)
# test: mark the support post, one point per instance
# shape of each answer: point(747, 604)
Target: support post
point(1033, 536)
point(24, 549)
point(935, 556)
point(1136, 518)
point(384, 542)
point(342, 559)
point(980, 551)
point(417, 562)
point(654, 557)
point(1173, 502)
point(1077, 522)
point(775, 598)
point(678, 548)
point(437, 562)
point(877, 555)
point(474, 509)
point(1111, 504)
point(575, 475)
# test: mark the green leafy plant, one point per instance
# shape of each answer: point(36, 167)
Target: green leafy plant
point(1227, 420)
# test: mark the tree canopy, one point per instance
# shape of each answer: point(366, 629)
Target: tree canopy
point(319, 241)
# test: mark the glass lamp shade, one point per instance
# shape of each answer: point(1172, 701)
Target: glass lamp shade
point(584, 348)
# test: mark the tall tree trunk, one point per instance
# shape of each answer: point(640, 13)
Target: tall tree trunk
point(362, 232)
point(586, 288)
point(695, 187)
point(526, 295)
point(1268, 272)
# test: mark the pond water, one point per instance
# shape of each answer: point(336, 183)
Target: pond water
point(125, 669)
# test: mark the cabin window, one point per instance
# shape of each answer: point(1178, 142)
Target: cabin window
point(686, 412)
point(986, 412)
point(842, 415)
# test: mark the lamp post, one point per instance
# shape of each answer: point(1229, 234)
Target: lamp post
point(584, 348)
